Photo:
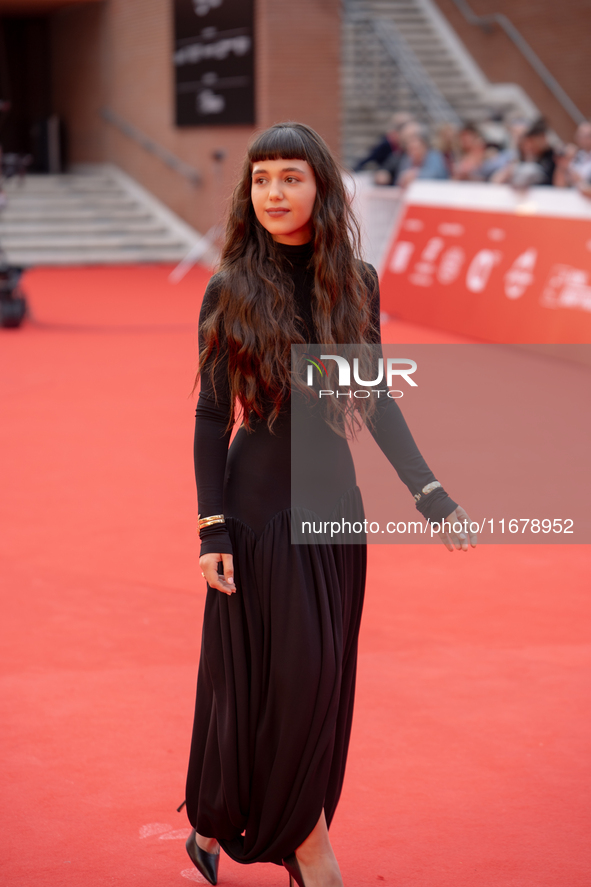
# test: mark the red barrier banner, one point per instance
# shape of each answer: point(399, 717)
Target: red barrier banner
point(494, 274)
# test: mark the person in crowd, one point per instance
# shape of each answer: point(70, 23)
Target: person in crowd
point(470, 165)
point(446, 141)
point(581, 164)
point(419, 161)
point(574, 162)
point(507, 147)
point(387, 153)
point(495, 131)
point(535, 163)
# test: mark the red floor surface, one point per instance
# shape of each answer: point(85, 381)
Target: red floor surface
point(470, 755)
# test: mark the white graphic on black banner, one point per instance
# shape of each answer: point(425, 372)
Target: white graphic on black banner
point(214, 62)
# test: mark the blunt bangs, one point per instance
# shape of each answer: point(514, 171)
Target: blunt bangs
point(277, 142)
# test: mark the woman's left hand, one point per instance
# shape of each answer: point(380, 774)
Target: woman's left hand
point(457, 538)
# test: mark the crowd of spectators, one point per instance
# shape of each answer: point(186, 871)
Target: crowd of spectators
point(516, 152)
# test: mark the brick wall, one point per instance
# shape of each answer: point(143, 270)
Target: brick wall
point(557, 31)
point(118, 54)
point(300, 64)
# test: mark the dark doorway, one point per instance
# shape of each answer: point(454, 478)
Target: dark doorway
point(26, 127)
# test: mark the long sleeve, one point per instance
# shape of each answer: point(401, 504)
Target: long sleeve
point(389, 429)
point(378, 154)
point(212, 440)
point(433, 167)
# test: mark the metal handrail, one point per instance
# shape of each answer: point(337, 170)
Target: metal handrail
point(404, 59)
point(437, 107)
point(167, 157)
point(485, 22)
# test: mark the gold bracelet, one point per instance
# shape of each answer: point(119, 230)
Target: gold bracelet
point(426, 490)
point(209, 521)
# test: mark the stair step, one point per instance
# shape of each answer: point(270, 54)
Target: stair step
point(27, 229)
point(409, 19)
point(93, 217)
point(50, 181)
point(90, 241)
point(75, 201)
point(34, 258)
point(14, 215)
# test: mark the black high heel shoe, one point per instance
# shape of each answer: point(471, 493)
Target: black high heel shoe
point(293, 867)
point(206, 863)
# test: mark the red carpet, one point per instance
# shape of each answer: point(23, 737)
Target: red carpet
point(470, 757)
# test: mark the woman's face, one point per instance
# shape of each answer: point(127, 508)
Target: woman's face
point(283, 193)
point(416, 150)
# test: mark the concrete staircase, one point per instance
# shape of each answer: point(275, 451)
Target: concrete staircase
point(374, 88)
point(94, 215)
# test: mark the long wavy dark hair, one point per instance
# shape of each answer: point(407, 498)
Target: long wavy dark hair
point(254, 317)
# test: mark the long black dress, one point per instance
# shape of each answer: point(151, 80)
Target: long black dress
point(278, 659)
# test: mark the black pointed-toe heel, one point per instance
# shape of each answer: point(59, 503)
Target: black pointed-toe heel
point(293, 867)
point(206, 863)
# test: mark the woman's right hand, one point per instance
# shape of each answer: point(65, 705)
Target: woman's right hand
point(209, 570)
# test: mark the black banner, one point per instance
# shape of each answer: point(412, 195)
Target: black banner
point(214, 62)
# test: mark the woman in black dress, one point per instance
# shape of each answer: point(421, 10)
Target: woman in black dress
point(279, 646)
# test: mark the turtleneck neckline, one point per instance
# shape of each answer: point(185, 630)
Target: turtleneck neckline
point(298, 254)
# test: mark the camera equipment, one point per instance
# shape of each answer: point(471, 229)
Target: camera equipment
point(13, 305)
